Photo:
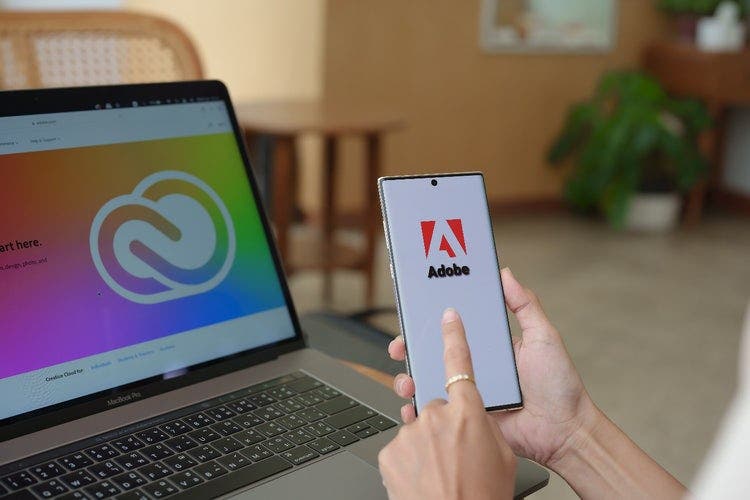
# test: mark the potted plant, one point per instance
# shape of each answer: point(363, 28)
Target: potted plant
point(686, 14)
point(634, 148)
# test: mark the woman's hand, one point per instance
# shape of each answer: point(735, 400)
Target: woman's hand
point(556, 404)
point(454, 449)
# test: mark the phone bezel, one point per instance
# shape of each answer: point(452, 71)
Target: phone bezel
point(386, 229)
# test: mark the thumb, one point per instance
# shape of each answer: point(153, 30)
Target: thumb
point(522, 302)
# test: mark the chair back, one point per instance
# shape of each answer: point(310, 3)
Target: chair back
point(74, 48)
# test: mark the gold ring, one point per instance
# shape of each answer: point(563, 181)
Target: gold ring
point(458, 378)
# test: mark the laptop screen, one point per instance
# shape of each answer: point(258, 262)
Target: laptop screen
point(131, 246)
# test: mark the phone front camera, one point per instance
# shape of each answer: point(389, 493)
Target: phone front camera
point(434, 182)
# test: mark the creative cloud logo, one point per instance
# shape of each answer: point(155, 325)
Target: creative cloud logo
point(456, 234)
point(172, 237)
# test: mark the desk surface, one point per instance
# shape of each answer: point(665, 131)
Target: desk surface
point(376, 375)
point(295, 117)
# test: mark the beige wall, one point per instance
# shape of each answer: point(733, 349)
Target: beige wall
point(262, 49)
point(466, 110)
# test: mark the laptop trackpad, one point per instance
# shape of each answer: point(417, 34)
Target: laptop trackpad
point(341, 476)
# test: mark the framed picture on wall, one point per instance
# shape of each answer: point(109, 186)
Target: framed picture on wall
point(547, 25)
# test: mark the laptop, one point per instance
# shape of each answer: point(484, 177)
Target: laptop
point(149, 345)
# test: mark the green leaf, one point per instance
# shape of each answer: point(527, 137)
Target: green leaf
point(630, 131)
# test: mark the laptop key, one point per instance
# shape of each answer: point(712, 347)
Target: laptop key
point(311, 414)
point(227, 445)
point(328, 392)
point(248, 420)
point(105, 469)
point(73, 495)
point(319, 428)
point(241, 406)
point(299, 455)
point(220, 413)
point(181, 443)
point(289, 406)
point(76, 461)
point(129, 480)
point(49, 489)
point(187, 479)
point(157, 452)
point(19, 480)
point(127, 444)
point(337, 405)
point(20, 495)
point(292, 421)
point(152, 436)
point(210, 470)
point(381, 423)
point(298, 437)
point(281, 392)
point(242, 477)
point(357, 427)
point(323, 445)
point(78, 479)
point(132, 460)
point(270, 429)
point(261, 399)
point(365, 433)
point(46, 471)
point(204, 453)
point(227, 428)
point(160, 489)
point(349, 417)
point(308, 399)
point(256, 453)
point(278, 445)
point(102, 452)
point(199, 420)
point(203, 436)
point(233, 461)
point(3, 489)
point(304, 384)
point(249, 437)
point(105, 489)
point(133, 495)
point(343, 438)
point(155, 471)
point(180, 462)
point(176, 428)
point(268, 413)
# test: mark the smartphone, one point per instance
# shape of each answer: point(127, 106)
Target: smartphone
point(442, 253)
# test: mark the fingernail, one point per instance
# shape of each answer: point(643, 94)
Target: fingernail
point(449, 315)
point(400, 384)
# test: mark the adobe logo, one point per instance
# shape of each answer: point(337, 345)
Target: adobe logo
point(457, 230)
point(452, 230)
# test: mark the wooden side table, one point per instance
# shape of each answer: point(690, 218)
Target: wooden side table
point(721, 80)
point(284, 122)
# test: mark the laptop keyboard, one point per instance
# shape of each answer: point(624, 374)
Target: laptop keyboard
point(204, 450)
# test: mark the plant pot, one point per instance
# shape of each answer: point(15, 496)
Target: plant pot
point(653, 212)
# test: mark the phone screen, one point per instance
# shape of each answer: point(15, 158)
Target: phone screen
point(443, 255)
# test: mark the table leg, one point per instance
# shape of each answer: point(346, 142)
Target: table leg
point(711, 143)
point(372, 214)
point(329, 201)
point(281, 202)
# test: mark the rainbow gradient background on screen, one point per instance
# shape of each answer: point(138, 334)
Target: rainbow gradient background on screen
point(63, 310)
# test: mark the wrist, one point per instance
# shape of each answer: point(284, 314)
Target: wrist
point(582, 436)
point(599, 461)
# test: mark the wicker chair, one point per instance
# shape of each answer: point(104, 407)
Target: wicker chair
point(62, 49)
